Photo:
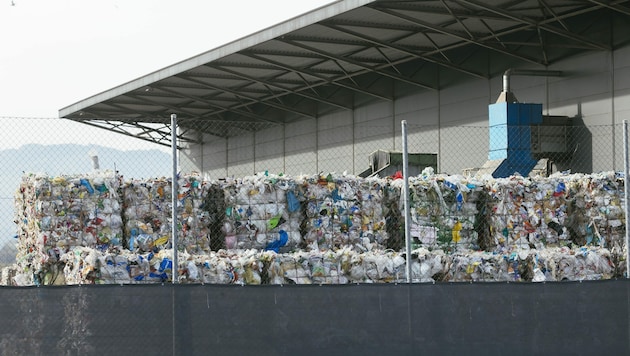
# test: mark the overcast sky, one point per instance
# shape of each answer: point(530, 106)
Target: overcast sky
point(54, 53)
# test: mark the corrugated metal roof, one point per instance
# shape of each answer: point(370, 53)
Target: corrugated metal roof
point(349, 53)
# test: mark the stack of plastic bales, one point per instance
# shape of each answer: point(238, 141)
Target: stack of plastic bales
point(55, 214)
point(83, 265)
point(531, 265)
point(254, 267)
point(262, 212)
point(322, 229)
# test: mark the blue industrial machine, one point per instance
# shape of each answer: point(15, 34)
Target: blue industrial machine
point(510, 137)
point(516, 142)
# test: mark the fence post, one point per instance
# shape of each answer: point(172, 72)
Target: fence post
point(405, 193)
point(626, 192)
point(174, 197)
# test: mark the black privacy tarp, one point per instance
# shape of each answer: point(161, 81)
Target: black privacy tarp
point(561, 318)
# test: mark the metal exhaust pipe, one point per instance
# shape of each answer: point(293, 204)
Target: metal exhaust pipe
point(507, 95)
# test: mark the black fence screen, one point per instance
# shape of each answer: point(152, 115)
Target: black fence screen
point(562, 318)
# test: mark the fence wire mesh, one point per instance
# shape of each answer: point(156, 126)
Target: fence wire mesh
point(271, 207)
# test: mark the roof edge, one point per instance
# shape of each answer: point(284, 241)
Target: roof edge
point(282, 28)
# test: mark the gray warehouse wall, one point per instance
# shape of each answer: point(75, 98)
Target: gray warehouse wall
point(597, 92)
point(452, 122)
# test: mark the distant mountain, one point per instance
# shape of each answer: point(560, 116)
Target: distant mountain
point(69, 159)
point(75, 159)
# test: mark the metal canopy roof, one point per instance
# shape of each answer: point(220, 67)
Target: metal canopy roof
point(349, 53)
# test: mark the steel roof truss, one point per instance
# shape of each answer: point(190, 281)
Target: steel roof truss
point(457, 34)
point(521, 19)
point(613, 5)
point(359, 64)
point(287, 90)
point(147, 134)
point(223, 110)
point(411, 53)
point(322, 79)
point(250, 100)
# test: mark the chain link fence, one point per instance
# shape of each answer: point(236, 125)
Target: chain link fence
point(87, 241)
point(96, 211)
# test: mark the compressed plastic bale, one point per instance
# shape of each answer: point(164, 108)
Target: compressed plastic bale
point(193, 235)
point(148, 211)
point(6, 275)
point(218, 270)
point(250, 268)
point(112, 269)
point(80, 265)
point(339, 212)
point(318, 270)
point(353, 266)
point(22, 279)
point(370, 194)
point(257, 211)
point(439, 202)
point(323, 268)
point(590, 264)
point(161, 266)
point(295, 269)
point(377, 266)
point(320, 223)
point(139, 267)
point(332, 269)
point(387, 267)
point(273, 272)
point(424, 265)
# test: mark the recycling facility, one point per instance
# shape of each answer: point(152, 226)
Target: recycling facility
point(516, 228)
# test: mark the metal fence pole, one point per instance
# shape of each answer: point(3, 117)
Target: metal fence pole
point(174, 196)
point(175, 278)
point(405, 193)
point(626, 169)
